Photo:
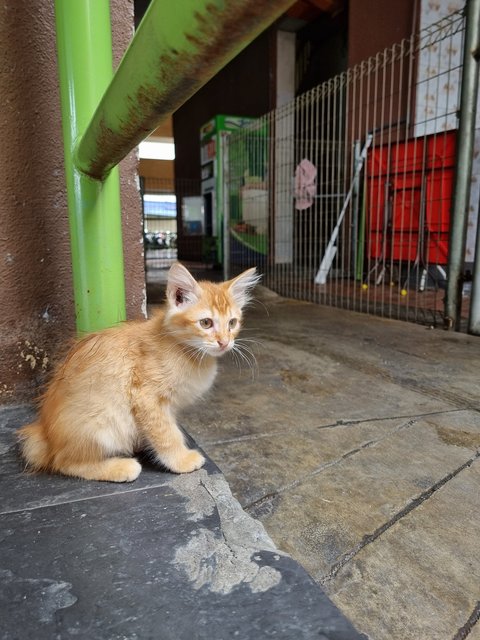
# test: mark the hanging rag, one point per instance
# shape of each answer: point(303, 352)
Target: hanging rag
point(305, 184)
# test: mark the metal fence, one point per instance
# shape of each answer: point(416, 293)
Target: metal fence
point(343, 196)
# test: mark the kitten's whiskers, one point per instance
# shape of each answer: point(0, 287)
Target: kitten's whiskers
point(242, 352)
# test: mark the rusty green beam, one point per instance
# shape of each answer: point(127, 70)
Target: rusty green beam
point(177, 48)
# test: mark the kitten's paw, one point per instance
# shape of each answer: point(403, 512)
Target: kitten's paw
point(186, 461)
point(123, 470)
point(109, 470)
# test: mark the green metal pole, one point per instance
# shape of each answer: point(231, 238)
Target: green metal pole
point(177, 48)
point(85, 69)
point(464, 160)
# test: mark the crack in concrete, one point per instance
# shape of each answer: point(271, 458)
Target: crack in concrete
point(347, 422)
point(413, 504)
point(252, 506)
point(67, 498)
point(464, 631)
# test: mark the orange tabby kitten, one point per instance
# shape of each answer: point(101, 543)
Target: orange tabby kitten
point(119, 390)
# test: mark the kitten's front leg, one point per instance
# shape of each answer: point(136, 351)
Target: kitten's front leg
point(157, 424)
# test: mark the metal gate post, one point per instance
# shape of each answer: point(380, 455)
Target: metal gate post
point(474, 316)
point(85, 68)
point(465, 144)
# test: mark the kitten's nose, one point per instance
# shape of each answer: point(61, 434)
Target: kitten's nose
point(222, 343)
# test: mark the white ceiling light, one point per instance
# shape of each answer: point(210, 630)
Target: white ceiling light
point(155, 150)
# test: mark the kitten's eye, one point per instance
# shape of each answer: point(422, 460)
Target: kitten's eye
point(233, 323)
point(206, 323)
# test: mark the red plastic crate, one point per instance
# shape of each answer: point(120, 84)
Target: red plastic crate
point(418, 172)
point(405, 246)
point(439, 199)
point(376, 203)
point(441, 150)
point(396, 158)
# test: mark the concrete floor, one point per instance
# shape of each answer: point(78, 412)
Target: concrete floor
point(355, 441)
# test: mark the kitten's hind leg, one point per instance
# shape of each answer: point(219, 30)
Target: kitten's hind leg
point(108, 470)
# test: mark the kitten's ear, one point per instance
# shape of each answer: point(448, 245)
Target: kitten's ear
point(240, 287)
point(182, 288)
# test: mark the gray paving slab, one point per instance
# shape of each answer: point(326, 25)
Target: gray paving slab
point(412, 355)
point(432, 583)
point(171, 557)
point(268, 465)
point(296, 389)
point(360, 494)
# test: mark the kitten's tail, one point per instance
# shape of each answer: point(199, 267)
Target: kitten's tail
point(34, 446)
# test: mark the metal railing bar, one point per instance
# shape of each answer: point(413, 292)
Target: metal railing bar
point(177, 48)
point(464, 157)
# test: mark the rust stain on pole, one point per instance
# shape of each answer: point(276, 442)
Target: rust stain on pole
point(168, 78)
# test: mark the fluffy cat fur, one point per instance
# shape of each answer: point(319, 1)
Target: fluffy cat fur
point(119, 390)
